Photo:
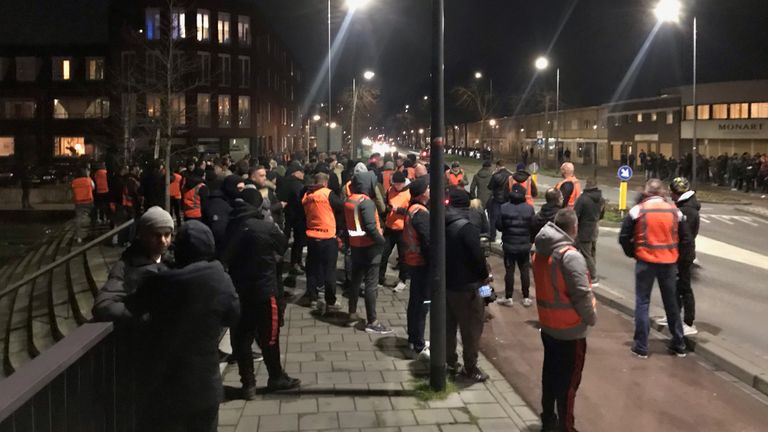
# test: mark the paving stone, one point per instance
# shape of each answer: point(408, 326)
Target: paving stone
point(292, 367)
point(356, 387)
point(396, 418)
point(232, 404)
point(459, 428)
point(368, 346)
point(497, 425)
point(381, 429)
point(335, 404)
point(307, 378)
point(300, 357)
point(397, 376)
point(393, 354)
point(348, 365)
point(479, 396)
point(379, 365)
point(316, 366)
point(356, 419)
point(302, 323)
point(299, 406)
point(315, 347)
point(229, 417)
point(333, 378)
point(372, 403)
point(490, 410)
point(433, 416)
point(247, 424)
point(406, 402)
point(303, 338)
point(361, 355)
point(385, 386)
point(292, 347)
point(279, 423)
point(332, 338)
point(263, 407)
point(345, 346)
point(525, 413)
point(227, 429)
point(314, 330)
point(452, 401)
point(328, 420)
point(357, 337)
point(461, 415)
point(420, 428)
point(513, 399)
point(366, 377)
point(332, 356)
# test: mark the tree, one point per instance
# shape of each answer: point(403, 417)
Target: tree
point(364, 107)
point(476, 102)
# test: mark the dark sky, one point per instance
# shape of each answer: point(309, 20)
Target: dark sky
point(594, 50)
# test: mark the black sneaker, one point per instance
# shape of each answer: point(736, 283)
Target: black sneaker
point(352, 319)
point(248, 391)
point(549, 423)
point(639, 354)
point(283, 383)
point(378, 328)
point(475, 374)
point(680, 352)
point(453, 369)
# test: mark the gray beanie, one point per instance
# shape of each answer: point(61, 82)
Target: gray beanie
point(155, 218)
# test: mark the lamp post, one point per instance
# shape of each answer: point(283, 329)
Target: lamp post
point(541, 64)
point(478, 76)
point(669, 11)
point(367, 75)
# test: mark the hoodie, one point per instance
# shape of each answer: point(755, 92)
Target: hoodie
point(550, 241)
point(521, 177)
point(479, 186)
point(590, 209)
point(216, 215)
point(689, 205)
point(465, 264)
point(364, 183)
point(546, 214)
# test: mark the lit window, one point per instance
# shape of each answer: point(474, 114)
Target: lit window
point(703, 112)
point(178, 24)
point(640, 117)
point(670, 117)
point(203, 110)
point(225, 69)
point(203, 25)
point(205, 67)
point(760, 110)
point(17, 108)
point(69, 146)
point(223, 27)
point(152, 23)
point(245, 72)
point(739, 111)
point(62, 69)
point(244, 30)
point(689, 112)
point(3, 68)
point(574, 124)
point(654, 117)
point(225, 111)
point(95, 69)
point(178, 105)
point(6, 146)
point(285, 117)
point(26, 68)
point(80, 108)
point(720, 111)
point(243, 112)
point(154, 106)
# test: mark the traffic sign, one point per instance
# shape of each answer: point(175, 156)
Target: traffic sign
point(533, 168)
point(624, 173)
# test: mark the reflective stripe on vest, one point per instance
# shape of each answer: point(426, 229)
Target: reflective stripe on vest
point(527, 185)
point(100, 178)
point(656, 236)
point(192, 207)
point(321, 223)
point(358, 237)
point(554, 305)
point(411, 241)
point(174, 189)
point(576, 190)
point(82, 190)
point(397, 200)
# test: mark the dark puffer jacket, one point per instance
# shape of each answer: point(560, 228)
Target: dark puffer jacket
point(465, 265)
point(590, 209)
point(499, 186)
point(690, 206)
point(515, 224)
point(546, 214)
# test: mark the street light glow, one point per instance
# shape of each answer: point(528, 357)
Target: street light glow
point(426, 97)
point(478, 75)
point(668, 11)
point(368, 75)
point(356, 4)
point(333, 125)
point(541, 63)
point(316, 117)
point(421, 131)
point(492, 122)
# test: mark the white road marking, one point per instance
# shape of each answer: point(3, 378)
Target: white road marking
point(704, 219)
point(722, 218)
point(746, 220)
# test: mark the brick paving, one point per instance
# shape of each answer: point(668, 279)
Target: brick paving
point(356, 382)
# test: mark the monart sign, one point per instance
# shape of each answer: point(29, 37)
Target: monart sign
point(726, 129)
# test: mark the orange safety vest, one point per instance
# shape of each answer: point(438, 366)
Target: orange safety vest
point(527, 185)
point(127, 199)
point(192, 205)
point(656, 235)
point(452, 179)
point(412, 255)
point(386, 177)
point(396, 221)
point(321, 223)
point(576, 190)
point(357, 235)
point(410, 173)
point(82, 190)
point(100, 178)
point(554, 305)
point(174, 189)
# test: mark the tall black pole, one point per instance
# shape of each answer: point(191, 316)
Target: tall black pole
point(436, 207)
point(330, 80)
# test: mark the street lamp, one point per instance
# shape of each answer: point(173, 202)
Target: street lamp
point(492, 122)
point(478, 75)
point(368, 75)
point(668, 11)
point(316, 117)
point(541, 64)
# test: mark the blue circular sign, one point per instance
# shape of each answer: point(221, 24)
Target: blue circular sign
point(625, 173)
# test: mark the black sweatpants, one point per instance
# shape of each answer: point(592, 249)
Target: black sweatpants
point(321, 267)
point(685, 298)
point(465, 310)
point(417, 306)
point(260, 322)
point(560, 378)
point(299, 241)
point(176, 210)
point(494, 213)
point(364, 273)
point(523, 262)
point(394, 238)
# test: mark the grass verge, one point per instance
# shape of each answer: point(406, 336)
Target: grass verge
point(423, 392)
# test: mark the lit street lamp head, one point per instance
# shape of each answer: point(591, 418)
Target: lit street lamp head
point(541, 63)
point(333, 125)
point(421, 131)
point(492, 122)
point(668, 11)
point(478, 75)
point(316, 117)
point(356, 4)
point(368, 75)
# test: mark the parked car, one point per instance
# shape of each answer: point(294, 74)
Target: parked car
point(62, 169)
point(8, 176)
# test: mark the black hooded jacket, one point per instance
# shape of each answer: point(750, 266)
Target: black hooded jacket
point(522, 177)
point(290, 190)
point(590, 209)
point(216, 216)
point(546, 214)
point(690, 206)
point(499, 186)
point(363, 183)
point(465, 265)
point(515, 224)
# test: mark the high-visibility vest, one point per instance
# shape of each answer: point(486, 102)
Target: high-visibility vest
point(554, 305)
point(82, 190)
point(576, 190)
point(174, 189)
point(410, 173)
point(348, 188)
point(527, 185)
point(100, 178)
point(656, 231)
point(412, 255)
point(397, 199)
point(358, 237)
point(192, 205)
point(386, 177)
point(452, 179)
point(127, 199)
point(321, 223)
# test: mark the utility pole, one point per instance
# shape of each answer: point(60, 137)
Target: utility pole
point(694, 154)
point(353, 150)
point(330, 79)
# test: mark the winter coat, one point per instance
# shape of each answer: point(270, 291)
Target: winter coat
point(420, 223)
point(546, 214)
point(465, 265)
point(364, 183)
point(499, 186)
point(216, 216)
point(550, 241)
point(689, 205)
point(153, 189)
point(522, 177)
point(590, 209)
point(515, 225)
point(290, 190)
point(479, 186)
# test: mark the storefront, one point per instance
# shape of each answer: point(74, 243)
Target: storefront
point(715, 137)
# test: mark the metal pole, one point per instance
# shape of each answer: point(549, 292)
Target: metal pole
point(354, 112)
point(557, 116)
point(437, 370)
point(330, 99)
point(695, 108)
point(547, 129)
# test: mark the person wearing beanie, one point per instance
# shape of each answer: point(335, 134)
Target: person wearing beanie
point(143, 257)
point(398, 197)
point(479, 187)
point(454, 177)
point(515, 226)
point(187, 308)
point(499, 187)
point(250, 254)
point(415, 258)
point(523, 178)
point(590, 209)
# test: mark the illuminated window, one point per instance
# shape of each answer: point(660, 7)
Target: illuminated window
point(203, 25)
point(225, 69)
point(704, 112)
point(152, 24)
point(80, 108)
point(26, 68)
point(94, 69)
point(6, 146)
point(244, 30)
point(654, 117)
point(739, 111)
point(62, 69)
point(154, 106)
point(178, 24)
point(203, 110)
point(245, 71)
point(759, 110)
point(689, 112)
point(223, 27)
point(720, 111)
point(69, 146)
point(243, 112)
point(225, 111)
point(670, 117)
point(178, 105)
point(640, 117)
point(17, 108)
point(205, 67)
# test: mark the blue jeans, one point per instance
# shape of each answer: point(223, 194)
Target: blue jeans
point(666, 274)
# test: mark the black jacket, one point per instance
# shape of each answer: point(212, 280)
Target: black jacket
point(363, 183)
point(515, 225)
point(689, 205)
point(479, 186)
point(499, 186)
point(590, 209)
point(546, 214)
point(153, 189)
point(465, 265)
point(251, 250)
point(216, 216)
point(522, 177)
point(290, 190)
point(420, 223)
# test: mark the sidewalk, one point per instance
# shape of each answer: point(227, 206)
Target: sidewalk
point(354, 381)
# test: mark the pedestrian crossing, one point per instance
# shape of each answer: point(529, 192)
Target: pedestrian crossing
point(732, 219)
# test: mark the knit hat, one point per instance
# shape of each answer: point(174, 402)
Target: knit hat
point(252, 196)
point(398, 177)
point(486, 164)
point(154, 219)
point(293, 167)
point(459, 198)
point(418, 187)
point(455, 164)
point(389, 165)
point(521, 166)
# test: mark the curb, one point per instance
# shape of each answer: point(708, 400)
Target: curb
point(708, 346)
point(753, 211)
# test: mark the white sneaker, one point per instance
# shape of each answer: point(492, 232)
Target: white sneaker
point(527, 302)
point(400, 287)
point(336, 305)
point(505, 302)
point(497, 241)
point(424, 354)
point(662, 321)
point(690, 330)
